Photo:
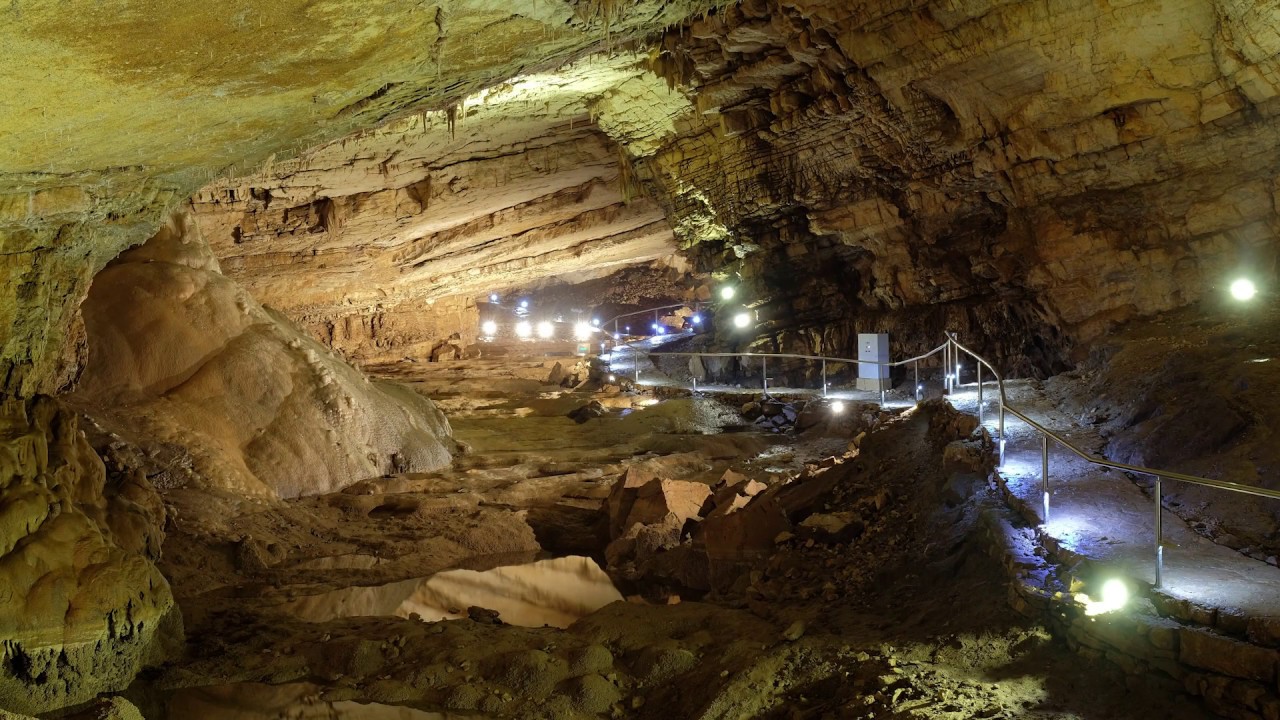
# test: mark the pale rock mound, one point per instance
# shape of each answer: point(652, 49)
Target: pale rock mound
point(227, 394)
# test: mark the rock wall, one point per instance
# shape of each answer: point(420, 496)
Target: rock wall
point(386, 237)
point(84, 607)
point(183, 363)
point(1000, 168)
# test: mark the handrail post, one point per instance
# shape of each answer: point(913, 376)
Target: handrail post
point(1159, 536)
point(635, 360)
point(979, 364)
point(824, 377)
point(1001, 431)
point(946, 365)
point(1044, 475)
point(916, 366)
point(764, 373)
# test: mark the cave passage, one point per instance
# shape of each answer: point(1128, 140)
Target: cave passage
point(788, 359)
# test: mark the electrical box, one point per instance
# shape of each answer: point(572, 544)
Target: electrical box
point(873, 347)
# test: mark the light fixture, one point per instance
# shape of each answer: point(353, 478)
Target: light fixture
point(613, 378)
point(617, 336)
point(523, 329)
point(595, 322)
point(697, 319)
point(1114, 596)
point(741, 320)
point(582, 331)
point(1243, 289)
point(524, 304)
point(837, 407)
point(546, 330)
point(727, 292)
point(489, 328)
point(627, 328)
point(662, 330)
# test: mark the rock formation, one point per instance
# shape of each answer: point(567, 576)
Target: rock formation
point(84, 607)
point(228, 395)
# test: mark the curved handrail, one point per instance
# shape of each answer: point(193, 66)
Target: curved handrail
point(1104, 462)
point(693, 304)
point(795, 356)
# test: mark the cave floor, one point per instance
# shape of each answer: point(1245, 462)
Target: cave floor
point(909, 620)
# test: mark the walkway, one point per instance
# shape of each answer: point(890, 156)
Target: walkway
point(1102, 517)
point(1098, 516)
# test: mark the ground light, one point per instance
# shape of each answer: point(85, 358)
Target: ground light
point(582, 331)
point(595, 322)
point(1114, 596)
point(524, 304)
point(741, 320)
point(523, 329)
point(489, 328)
point(727, 292)
point(613, 378)
point(697, 319)
point(493, 297)
point(837, 407)
point(1243, 289)
point(546, 330)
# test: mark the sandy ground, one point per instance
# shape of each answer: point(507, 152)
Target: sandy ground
point(907, 620)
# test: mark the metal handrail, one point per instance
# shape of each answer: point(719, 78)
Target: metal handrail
point(694, 304)
point(1158, 474)
point(950, 349)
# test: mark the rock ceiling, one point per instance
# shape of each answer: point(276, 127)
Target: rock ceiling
point(1026, 172)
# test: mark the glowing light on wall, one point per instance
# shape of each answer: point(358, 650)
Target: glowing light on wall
point(741, 320)
point(489, 328)
point(727, 292)
point(546, 330)
point(837, 407)
point(524, 329)
point(1243, 289)
point(582, 331)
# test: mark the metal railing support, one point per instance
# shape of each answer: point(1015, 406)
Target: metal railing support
point(916, 366)
point(980, 420)
point(1044, 475)
point(1159, 536)
point(824, 377)
point(764, 374)
point(946, 365)
point(1001, 431)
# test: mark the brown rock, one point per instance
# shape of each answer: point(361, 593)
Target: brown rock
point(1211, 651)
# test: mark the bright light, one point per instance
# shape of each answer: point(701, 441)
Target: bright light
point(662, 330)
point(617, 336)
point(595, 322)
point(613, 378)
point(741, 320)
point(627, 328)
point(654, 326)
point(493, 297)
point(489, 328)
point(727, 292)
point(524, 304)
point(1115, 595)
point(523, 329)
point(1243, 289)
point(581, 331)
point(546, 330)
point(697, 319)
point(837, 407)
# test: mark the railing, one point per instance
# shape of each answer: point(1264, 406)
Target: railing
point(764, 363)
point(694, 305)
point(1159, 475)
point(951, 350)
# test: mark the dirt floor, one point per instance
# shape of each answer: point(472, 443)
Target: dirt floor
point(877, 601)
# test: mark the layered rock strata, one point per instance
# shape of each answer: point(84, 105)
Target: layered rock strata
point(1027, 174)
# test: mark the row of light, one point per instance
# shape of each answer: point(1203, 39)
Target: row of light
point(545, 329)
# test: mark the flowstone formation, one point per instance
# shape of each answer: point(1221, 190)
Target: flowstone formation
point(225, 394)
point(84, 607)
